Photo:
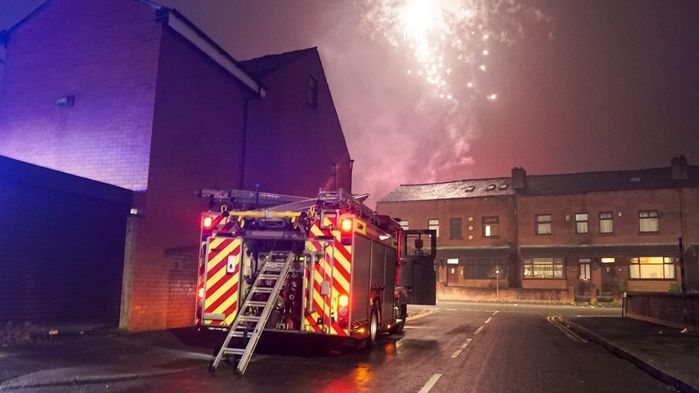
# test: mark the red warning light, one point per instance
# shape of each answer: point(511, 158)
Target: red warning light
point(208, 221)
point(346, 225)
point(343, 301)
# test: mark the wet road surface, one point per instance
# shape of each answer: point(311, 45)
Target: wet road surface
point(458, 348)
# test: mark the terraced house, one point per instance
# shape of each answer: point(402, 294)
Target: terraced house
point(585, 236)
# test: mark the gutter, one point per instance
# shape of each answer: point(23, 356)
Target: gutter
point(203, 42)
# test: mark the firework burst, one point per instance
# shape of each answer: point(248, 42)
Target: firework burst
point(448, 42)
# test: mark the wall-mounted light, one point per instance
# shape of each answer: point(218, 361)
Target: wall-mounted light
point(66, 100)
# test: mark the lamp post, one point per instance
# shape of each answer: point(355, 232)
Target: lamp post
point(497, 283)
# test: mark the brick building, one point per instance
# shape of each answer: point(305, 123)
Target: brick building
point(556, 237)
point(132, 94)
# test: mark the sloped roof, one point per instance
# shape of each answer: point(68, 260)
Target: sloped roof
point(468, 188)
point(572, 183)
point(261, 66)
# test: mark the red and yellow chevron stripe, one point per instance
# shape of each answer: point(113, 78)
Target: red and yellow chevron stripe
point(335, 268)
point(222, 280)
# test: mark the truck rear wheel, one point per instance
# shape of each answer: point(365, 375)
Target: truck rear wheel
point(373, 329)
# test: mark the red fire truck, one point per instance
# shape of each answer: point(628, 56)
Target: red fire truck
point(325, 266)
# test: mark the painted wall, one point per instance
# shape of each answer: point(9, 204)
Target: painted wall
point(105, 54)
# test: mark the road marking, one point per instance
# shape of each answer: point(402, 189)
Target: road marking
point(430, 382)
point(456, 353)
point(421, 314)
point(496, 312)
point(451, 309)
point(479, 329)
point(464, 345)
point(488, 320)
point(555, 321)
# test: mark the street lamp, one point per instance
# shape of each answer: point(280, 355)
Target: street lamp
point(497, 283)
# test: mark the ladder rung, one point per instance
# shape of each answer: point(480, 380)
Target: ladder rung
point(262, 290)
point(233, 351)
point(268, 276)
point(255, 303)
point(248, 318)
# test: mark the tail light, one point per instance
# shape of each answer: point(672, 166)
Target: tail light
point(346, 225)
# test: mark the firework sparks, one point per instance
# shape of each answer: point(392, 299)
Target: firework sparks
point(446, 40)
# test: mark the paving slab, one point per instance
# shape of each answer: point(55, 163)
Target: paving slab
point(664, 352)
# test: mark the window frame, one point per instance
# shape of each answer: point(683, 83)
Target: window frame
point(587, 262)
point(497, 226)
point(537, 222)
point(555, 262)
point(430, 224)
point(610, 219)
point(312, 92)
point(673, 263)
point(653, 215)
point(452, 234)
point(586, 221)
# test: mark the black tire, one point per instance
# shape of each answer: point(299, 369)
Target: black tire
point(373, 329)
point(398, 329)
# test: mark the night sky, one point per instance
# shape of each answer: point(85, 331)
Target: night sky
point(569, 86)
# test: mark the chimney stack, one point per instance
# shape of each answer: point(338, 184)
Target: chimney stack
point(519, 179)
point(679, 168)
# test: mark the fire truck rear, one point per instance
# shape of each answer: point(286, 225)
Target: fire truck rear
point(327, 266)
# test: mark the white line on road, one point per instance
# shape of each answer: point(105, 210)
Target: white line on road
point(488, 320)
point(479, 329)
point(451, 309)
point(430, 382)
point(456, 353)
point(464, 345)
point(496, 312)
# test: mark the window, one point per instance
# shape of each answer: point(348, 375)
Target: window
point(607, 260)
point(606, 222)
point(543, 268)
point(479, 268)
point(312, 98)
point(433, 223)
point(648, 221)
point(585, 268)
point(455, 228)
point(581, 223)
point(490, 227)
point(652, 268)
point(543, 224)
point(403, 224)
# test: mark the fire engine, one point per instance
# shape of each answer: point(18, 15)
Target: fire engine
point(326, 266)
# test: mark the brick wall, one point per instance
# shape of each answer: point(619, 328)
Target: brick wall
point(664, 308)
point(197, 143)
point(61, 246)
point(103, 52)
point(449, 293)
point(291, 147)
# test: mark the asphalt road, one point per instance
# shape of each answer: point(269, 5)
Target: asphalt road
point(457, 348)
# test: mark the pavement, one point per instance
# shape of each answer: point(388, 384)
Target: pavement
point(663, 352)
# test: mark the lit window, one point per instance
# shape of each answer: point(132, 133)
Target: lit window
point(490, 227)
point(433, 223)
point(606, 222)
point(585, 268)
point(652, 268)
point(535, 268)
point(581, 223)
point(607, 260)
point(543, 224)
point(312, 97)
point(479, 268)
point(648, 220)
point(403, 224)
point(455, 228)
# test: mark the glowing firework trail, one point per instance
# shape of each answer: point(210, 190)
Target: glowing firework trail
point(448, 40)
